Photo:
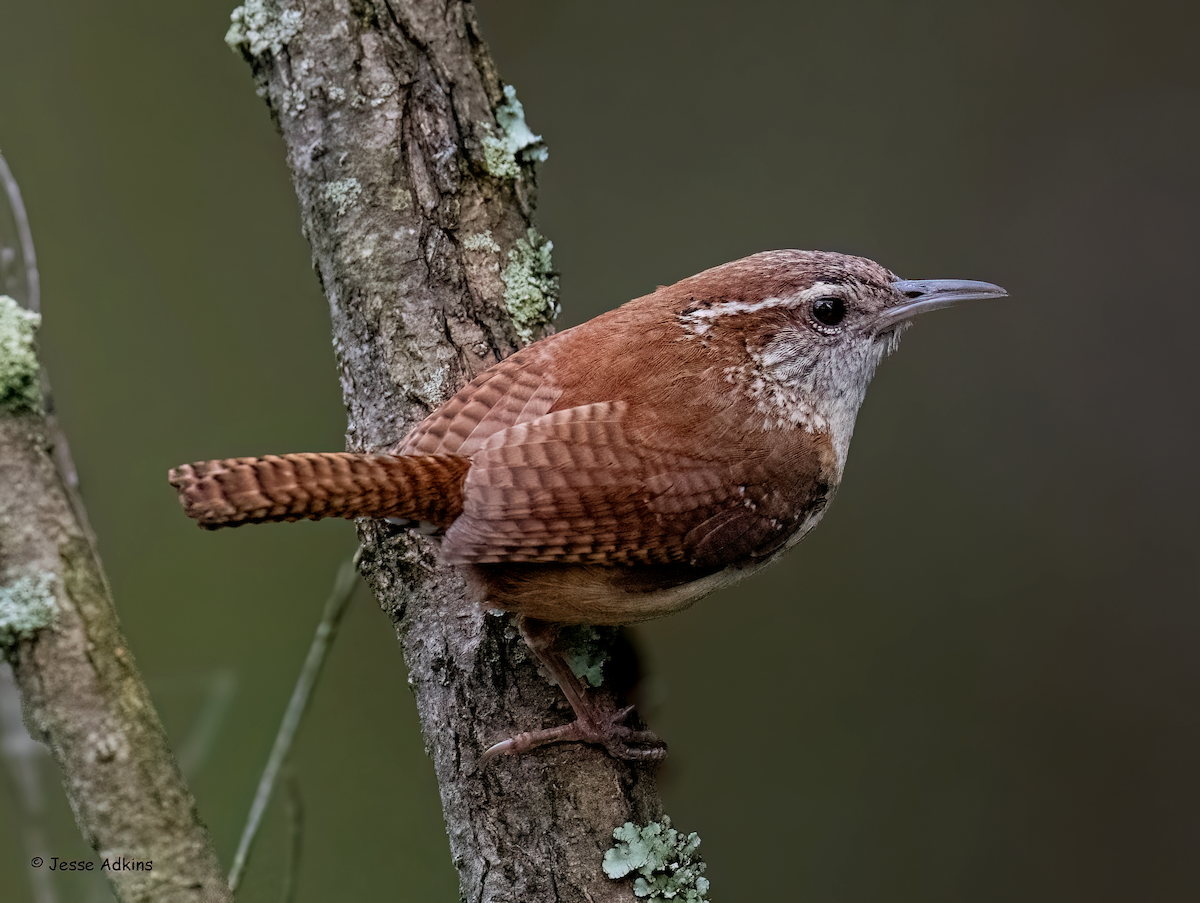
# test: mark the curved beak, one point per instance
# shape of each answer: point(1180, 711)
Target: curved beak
point(924, 295)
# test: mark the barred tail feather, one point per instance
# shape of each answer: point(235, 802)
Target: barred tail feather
point(236, 491)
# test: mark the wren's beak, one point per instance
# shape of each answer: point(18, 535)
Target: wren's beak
point(925, 295)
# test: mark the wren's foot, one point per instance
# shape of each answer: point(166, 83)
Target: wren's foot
point(595, 722)
point(599, 726)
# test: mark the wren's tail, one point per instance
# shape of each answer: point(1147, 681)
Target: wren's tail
point(236, 491)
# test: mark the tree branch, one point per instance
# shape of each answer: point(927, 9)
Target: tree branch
point(414, 172)
point(81, 692)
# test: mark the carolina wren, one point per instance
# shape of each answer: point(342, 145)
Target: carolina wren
point(622, 469)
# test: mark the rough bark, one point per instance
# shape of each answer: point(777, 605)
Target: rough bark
point(81, 692)
point(395, 124)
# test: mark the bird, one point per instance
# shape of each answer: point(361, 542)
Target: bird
point(622, 469)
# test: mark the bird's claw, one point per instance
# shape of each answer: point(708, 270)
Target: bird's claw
point(601, 727)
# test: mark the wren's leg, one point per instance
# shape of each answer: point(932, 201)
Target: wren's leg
point(596, 721)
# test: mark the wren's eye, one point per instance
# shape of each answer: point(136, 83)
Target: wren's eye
point(829, 311)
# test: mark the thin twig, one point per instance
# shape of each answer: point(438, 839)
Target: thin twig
point(28, 263)
point(219, 689)
point(335, 607)
point(295, 821)
point(22, 754)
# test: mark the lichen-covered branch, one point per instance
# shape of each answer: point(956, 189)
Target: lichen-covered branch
point(414, 168)
point(81, 692)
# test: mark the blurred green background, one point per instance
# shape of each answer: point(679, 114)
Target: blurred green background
point(979, 680)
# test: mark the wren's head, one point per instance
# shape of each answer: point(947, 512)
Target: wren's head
point(801, 332)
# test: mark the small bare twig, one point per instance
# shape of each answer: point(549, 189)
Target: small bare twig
point(295, 823)
point(23, 754)
point(343, 588)
point(18, 262)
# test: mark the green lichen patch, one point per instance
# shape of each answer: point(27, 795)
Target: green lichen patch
point(530, 284)
point(260, 25)
point(516, 144)
point(342, 193)
point(26, 606)
point(585, 649)
point(666, 862)
point(20, 383)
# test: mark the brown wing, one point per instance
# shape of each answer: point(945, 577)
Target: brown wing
point(575, 486)
point(516, 390)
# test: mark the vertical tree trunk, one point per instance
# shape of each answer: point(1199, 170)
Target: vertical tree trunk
point(415, 175)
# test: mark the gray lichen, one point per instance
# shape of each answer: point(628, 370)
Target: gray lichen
point(260, 25)
point(530, 284)
point(666, 862)
point(402, 199)
point(342, 193)
point(481, 241)
point(20, 383)
point(516, 144)
point(26, 606)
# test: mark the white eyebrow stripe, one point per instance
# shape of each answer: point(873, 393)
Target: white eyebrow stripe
point(699, 321)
